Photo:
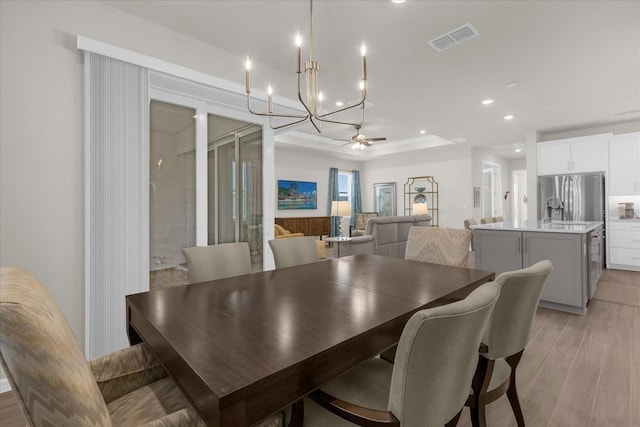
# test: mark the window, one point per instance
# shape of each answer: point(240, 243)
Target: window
point(344, 185)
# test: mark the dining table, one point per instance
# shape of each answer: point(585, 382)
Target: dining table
point(245, 347)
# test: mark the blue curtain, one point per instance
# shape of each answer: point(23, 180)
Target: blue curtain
point(334, 194)
point(356, 198)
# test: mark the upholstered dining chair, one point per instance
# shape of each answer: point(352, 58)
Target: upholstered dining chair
point(217, 261)
point(428, 384)
point(498, 218)
point(505, 339)
point(438, 245)
point(294, 251)
point(56, 386)
point(469, 222)
point(487, 220)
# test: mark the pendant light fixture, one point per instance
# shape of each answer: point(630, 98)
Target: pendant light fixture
point(312, 99)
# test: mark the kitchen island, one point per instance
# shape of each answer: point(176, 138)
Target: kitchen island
point(574, 248)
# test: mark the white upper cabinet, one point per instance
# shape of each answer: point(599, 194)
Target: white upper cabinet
point(574, 155)
point(624, 164)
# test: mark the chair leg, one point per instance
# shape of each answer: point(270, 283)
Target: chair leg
point(480, 384)
point(478, 416)
point(512, 392)
point(297, 414)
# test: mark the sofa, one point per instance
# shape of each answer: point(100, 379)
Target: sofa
point(280, 232)
point(384, 235)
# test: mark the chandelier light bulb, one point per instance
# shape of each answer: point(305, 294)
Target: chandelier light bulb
point(320, 97)
point(269, 90)
point(298, 40)
point(247, 64)
point(363, 49)
point(361, 85)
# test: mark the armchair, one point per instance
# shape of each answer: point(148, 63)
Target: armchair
point(281, 233)
point(361, 219)
point(56, 386)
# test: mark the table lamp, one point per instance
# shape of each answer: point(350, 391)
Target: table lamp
point(420, 209)
point(341, 208)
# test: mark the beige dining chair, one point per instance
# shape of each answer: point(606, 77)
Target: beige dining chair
point(486, 220)
point(469, 222)
point(498, 219)
point(449, 246)
point(505, 339)
point(428, 384)
point(294, 251)
point(217, 261)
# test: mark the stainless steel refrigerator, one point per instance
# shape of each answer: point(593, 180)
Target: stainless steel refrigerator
point(578, 197)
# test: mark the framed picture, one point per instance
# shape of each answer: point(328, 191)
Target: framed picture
point(476, 197)
point(297, 194)
point(384, 198)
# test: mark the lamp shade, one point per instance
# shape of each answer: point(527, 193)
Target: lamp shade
point(340, 208)
point(420, 209)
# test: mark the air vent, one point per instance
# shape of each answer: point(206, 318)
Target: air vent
point(454, 37)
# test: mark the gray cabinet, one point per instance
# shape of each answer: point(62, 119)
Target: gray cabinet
point(569, 277)
point(567, 286)
point(498, 251)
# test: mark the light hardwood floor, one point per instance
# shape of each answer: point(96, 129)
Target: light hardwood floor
point(581, 371)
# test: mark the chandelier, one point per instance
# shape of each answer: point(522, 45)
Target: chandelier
point(312, 101)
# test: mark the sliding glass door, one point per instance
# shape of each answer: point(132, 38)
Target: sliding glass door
point(235, 188)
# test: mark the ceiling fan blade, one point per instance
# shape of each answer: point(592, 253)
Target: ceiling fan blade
point(375, 139)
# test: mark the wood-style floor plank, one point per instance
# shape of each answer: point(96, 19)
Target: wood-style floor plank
point(635, 370)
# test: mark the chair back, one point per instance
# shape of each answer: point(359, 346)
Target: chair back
point(217, 261)
point(436, 357)
point(508, 329)
point(294, 251)
point(47, 371)
point(486, 220)
point(362, 218)
point(498, 218)
point(469, 222)
point(448, 246)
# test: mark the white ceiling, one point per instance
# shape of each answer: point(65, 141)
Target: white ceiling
point(576, 63)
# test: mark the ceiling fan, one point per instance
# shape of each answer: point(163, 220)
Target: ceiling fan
point(360, 141)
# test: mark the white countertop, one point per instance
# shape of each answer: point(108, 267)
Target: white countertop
point(545, 227)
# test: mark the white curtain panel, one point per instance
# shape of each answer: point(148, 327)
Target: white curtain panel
point(117, 197)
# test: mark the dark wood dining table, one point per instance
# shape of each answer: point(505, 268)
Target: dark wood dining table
point(246, 347)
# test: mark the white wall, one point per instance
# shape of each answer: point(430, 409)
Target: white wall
point(41, 136)
point(308, 165)
point(449, 165)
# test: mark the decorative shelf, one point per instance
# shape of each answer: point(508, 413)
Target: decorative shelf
point(420, 190)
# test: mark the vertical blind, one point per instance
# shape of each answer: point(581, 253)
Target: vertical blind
point(116, 197)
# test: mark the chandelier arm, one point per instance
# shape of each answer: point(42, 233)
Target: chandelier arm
point(360, 103)
point(257, 113)
point(288, 124)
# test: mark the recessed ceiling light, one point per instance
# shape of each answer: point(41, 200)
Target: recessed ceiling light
point(517, 150)
point(397, 1)
point(508, 117)
point(422, 132)
point(339, 103)
point(488, 101)
point(512, 84)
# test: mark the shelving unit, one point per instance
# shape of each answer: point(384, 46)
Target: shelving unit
point(421, 189)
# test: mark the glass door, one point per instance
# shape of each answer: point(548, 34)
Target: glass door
point(172, 213)
point(235, 186)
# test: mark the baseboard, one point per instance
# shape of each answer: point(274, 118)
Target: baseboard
point(4, 385)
